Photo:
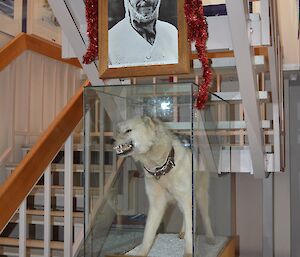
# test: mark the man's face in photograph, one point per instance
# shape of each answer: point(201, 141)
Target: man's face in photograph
point(144, 7)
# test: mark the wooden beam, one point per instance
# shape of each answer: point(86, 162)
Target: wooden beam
point(48, 48)
point(12, 50)
point(24, 42)
point(238, 21)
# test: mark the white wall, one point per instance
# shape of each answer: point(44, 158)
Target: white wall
point(294, 163)
point(249, 214)
point(288, 28)
point(34, 89)
point(282, 223)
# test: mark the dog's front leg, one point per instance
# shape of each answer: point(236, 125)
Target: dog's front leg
point(157, 205)
point(202, 201)
point(185, 204)
point(188, 236)
point(182, 231)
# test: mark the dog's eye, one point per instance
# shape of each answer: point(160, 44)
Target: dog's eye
point(127, 131)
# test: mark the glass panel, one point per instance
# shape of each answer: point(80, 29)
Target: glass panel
point(146, 122)
point(209, 185)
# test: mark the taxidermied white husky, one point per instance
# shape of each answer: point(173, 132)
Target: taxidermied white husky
point(168, 176)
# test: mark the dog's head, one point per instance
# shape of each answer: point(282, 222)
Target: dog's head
point(135, 136)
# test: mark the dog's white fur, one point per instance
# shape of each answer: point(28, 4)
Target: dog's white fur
point(150, 143)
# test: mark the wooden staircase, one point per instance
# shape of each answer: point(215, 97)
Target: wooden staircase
point(42, 215)
point(9, 240)
point(35, 202)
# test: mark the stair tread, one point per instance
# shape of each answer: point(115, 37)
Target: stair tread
point(263, 96)
point(220, 125)
point(93, 147)
point(80, 167)
point(57, 190)
point(78, 147)
point(59, 167)
point(57, 187)
point(37, 217)
point(34, 252)
point(76, 214)
point(267, 147)
point(31, 243)
point(94, 134)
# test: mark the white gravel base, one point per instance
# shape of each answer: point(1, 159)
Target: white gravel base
point(172, 246)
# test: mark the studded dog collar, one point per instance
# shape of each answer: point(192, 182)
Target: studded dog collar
point(165, 168)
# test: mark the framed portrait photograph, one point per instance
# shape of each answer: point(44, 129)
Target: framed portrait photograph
point(11, 16)
point(142, 38)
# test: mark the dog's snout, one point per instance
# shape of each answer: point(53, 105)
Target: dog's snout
point(112, 141)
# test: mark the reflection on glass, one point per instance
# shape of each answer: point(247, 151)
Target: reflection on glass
point(159, 107)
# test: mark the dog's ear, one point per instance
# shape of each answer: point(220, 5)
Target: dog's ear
point(148, 121)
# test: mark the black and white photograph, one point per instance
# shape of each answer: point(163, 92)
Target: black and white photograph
point(142, 38)
point(142, 32)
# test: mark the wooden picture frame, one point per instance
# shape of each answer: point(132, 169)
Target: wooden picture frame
point(42, 22)
point(108, 69)
point(11, 23)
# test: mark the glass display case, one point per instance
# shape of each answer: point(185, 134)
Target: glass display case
point(152, 161)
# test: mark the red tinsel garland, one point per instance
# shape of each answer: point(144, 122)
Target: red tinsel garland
point(92, 30)
point(197, 31)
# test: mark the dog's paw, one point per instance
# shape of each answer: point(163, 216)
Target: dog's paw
point(181, 235)
point(211, 240)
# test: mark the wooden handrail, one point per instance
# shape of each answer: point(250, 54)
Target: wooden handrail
point(19, 184)
point(12, 50)
point(24, 42)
